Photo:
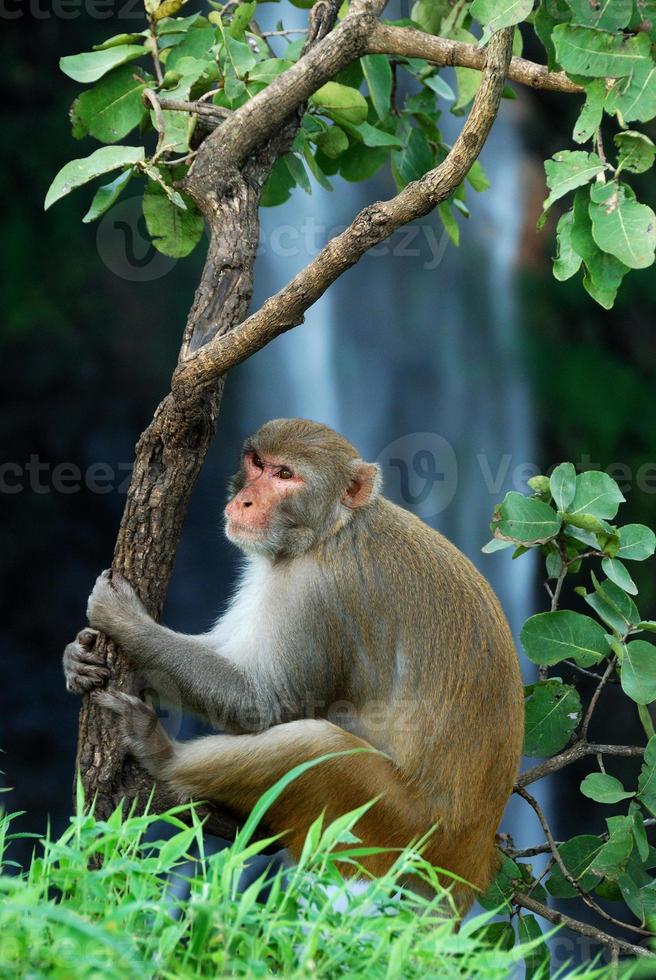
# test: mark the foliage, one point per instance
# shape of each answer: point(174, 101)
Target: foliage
point(370, 116)
point(144, 910)
point(570, 518)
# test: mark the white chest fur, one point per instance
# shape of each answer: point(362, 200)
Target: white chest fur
point(247, 631)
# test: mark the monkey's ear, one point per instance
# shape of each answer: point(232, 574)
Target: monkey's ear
point(365, 484)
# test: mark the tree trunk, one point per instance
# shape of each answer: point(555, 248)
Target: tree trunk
point(169, 456)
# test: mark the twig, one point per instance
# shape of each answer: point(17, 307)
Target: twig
point(293, 30)
point(575, 752)
point(583, 928)
point(528, 852)
point(589, 673)
point(590, 902)
point(152, 30)
point(149, 96)
point(199, 108)
point(583, 733)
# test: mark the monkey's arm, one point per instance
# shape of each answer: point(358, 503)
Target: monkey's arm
point(182, 668)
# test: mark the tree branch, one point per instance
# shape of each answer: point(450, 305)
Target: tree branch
point(441, 51)
point(373, 225)
point(560, 919)
point(574, 882)
point(575, 752)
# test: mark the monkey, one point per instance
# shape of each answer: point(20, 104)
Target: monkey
point(354, 626)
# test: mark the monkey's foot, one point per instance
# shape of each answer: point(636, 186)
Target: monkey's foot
point(84, 668)
point(140, 729)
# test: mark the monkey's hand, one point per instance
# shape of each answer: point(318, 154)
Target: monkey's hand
point(84, 668)
point(114, 607)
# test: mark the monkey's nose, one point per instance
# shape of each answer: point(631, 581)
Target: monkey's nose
point(248, 503)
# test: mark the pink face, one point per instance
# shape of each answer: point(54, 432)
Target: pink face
point(268, 481)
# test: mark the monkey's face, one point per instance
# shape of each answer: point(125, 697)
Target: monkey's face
point(255, 513)
point(298, 482)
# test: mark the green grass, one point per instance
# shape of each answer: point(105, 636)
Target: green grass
point(61, 918)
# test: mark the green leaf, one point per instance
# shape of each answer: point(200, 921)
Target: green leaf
point(612, 857)
point(111, 108)
point(106, 195)
point(441, 88)
point(241, 18)
point(589, 119)
point(468, 80)
point(525, 520)
point(637, 542)
point(378, 73)
point(596, 494)
point(496, 14)
point(372, 136)
point(607, 15)
point(92, 65)
point(618, 574)
point(578, 855)
point(636, 151)
point(553, 710)
point(537, 960)
point(621, 226)
point(604, 273)
point(449, 222)
point(333, 142)
point(562, 483)
point(174, 232)
point(635, 98)
point(298, 172)
point(360, 163)
point(197, 43)
point(568, 170)
point(119, 39)
point(598, 54)
point(647, 778)
point(548, 14)
point(239, 55)
point(603, 788)
point(638, 674)
point(613, 605)
point(341, 102)
point(503, 885)
point(268, 70)
point(415, 159)
point(639, 832)
point(477, 177)
point(278, 188)
point(550, 637)
point(78, 172)
point(568, 261)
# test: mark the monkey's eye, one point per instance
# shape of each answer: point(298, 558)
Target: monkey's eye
point(257, 461)
point(284, 473)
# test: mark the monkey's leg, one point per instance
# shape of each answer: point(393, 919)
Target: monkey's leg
point(237, 769)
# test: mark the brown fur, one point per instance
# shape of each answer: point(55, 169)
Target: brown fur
point(374, 631)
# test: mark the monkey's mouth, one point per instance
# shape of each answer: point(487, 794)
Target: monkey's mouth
point(234, 528)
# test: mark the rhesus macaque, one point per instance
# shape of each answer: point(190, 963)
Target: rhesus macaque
point(353, 625)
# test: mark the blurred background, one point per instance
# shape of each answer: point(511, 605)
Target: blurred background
point(462, 371)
